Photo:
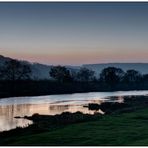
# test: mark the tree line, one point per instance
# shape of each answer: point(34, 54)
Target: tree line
point(16, 80)
point(14, 70)
point(109, 75)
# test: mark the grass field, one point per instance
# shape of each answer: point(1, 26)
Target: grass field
point(122, 129)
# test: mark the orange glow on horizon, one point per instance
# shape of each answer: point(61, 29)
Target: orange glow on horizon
point(79, 58)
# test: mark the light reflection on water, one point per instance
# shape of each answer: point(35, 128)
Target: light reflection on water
point(51, 105)
point(8, 112)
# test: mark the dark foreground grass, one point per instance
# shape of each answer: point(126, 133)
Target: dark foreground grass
point(122, 129)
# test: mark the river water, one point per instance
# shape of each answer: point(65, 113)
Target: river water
point(53, 104)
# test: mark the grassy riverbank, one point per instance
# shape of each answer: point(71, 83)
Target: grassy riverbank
point(123, 129)
point(124, 126)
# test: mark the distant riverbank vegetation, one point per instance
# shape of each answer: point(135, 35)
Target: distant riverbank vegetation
point(15, 80)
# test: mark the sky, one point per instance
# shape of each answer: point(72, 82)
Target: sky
point(74, 33)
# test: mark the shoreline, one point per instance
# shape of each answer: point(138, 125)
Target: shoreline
point(42, 88)
point(130, 104)
point(50, 123)
point(74, 92)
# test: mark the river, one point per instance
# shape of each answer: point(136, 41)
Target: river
point(53, 104)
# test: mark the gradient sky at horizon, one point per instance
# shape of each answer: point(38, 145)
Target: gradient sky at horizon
point(74, 33)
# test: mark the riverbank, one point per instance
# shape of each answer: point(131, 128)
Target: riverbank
point(128, 129)
point(126, 125)
point(47, 87)
point(119, 130)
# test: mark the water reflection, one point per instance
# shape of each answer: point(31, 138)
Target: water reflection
point(54, 104)
point(58, 109)
point(76, 96)
point(8, 112)
point(119, 99)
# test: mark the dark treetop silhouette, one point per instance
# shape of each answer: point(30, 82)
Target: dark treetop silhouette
point(16, 80)
point(14, 70)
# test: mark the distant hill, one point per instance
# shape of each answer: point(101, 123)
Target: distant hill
point(41, 71)
point(141, 67)
point(3, 59)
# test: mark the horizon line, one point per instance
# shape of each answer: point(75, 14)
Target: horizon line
point(105, 63)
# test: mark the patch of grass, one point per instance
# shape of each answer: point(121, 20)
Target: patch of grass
point(121, 129)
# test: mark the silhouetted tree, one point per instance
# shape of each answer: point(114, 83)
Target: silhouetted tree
point(85, 74)
point(60, 73)
point(74, 75)
point(1, 73)
point(145, 78)
point(14, 70)
point(111, 75)
point(132, 76)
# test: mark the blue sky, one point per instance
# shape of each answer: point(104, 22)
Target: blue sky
point(74, 33)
